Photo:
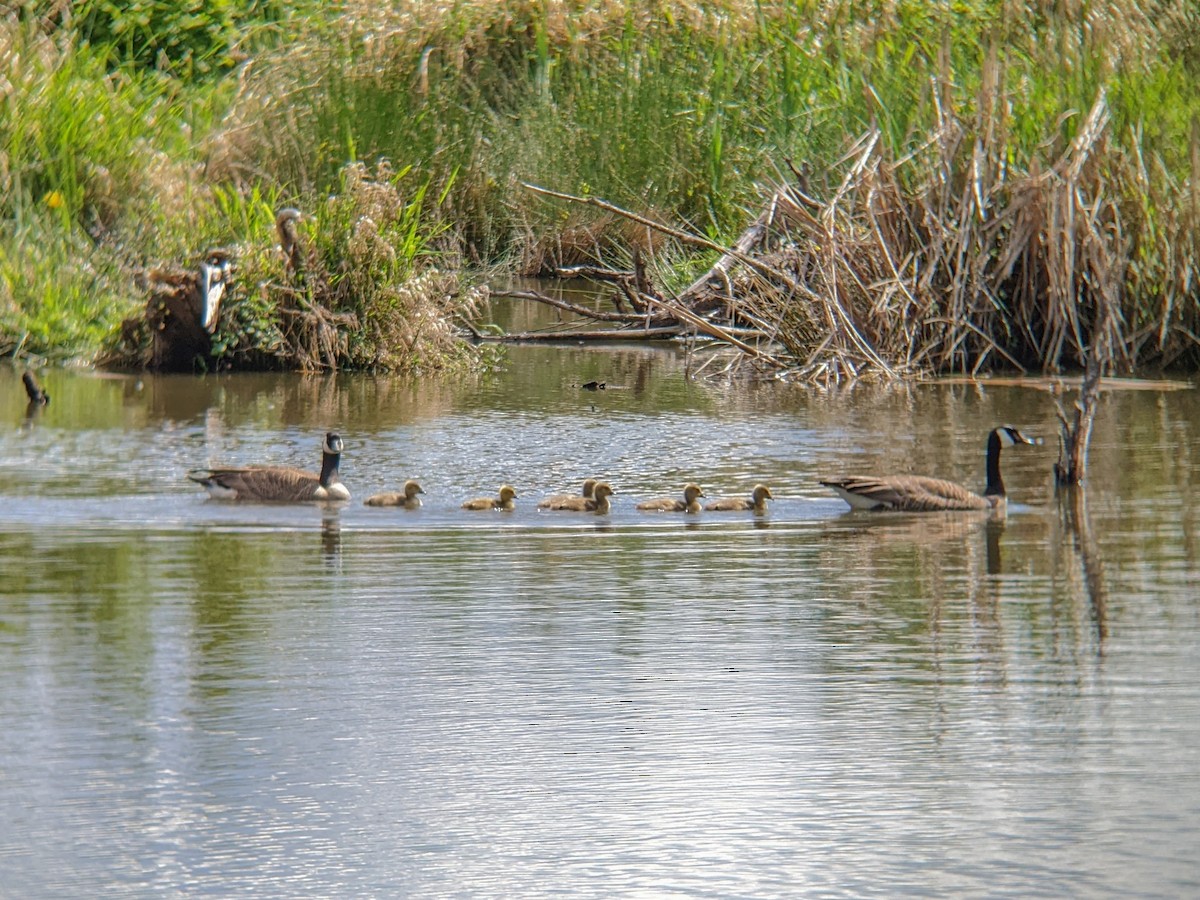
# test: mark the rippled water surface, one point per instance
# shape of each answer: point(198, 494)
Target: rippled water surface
point(212, 698)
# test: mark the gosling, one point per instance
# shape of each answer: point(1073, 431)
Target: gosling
point(756, 502)
point(689, 503)
point(597, 503)
point(504, 502)
point(408, 498)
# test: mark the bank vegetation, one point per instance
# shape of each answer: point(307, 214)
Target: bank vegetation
point(832, 189)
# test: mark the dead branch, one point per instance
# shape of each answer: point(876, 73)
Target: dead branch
point(566, 305)
point(592, 273)
point(612, 334)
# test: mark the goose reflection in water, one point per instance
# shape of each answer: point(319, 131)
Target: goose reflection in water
point(932, 534)
point(331, 535)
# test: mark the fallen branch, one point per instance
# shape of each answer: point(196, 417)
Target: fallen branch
point(714, 331)
point(598, 315)
point(611, 334)
point(592, 273)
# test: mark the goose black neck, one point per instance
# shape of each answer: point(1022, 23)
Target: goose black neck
point(995, 484)
point(329, 468)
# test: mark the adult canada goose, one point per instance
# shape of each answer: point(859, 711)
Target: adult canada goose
point(211, 280)
point(182, 313)
point(757, 501)
point(504, 502)
point(278, 483)
point(555, 501)
point(689, 503)
point(597, 503)
point(407, 498)
point(916, 493)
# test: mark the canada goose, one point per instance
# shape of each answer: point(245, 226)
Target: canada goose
point(597, 503)
point(210, 287)
point(555, 501)
point(689, 503)
point(916, 493)
point(182, 312)
point(757, 501)
point(504, 502)
point(278, 483)
point(407, 498)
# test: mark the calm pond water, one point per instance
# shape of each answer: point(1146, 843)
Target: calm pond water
point(219, 699)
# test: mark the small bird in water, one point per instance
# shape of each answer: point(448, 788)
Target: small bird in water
point(690, 502)
point(281, 484)
point(408, 498)
point(504, 502)
point(757, 501)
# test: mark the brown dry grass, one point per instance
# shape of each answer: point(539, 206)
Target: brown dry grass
point(980, 266)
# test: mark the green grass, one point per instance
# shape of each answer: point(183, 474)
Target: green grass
point(685, 112)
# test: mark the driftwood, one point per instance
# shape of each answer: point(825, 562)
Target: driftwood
point(1075, 432)
point(607, 334)
point(567, 306)
point(592, 273)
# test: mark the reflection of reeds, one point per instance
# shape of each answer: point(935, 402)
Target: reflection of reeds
point(1073, 514)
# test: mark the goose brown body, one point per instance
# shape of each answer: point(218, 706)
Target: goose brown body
point(757, 501)
point(566, 501)
point(279, 484)
point(690, 502)
point(918, 493)
point(908, 493)
point(408, 498)
point(504, 502)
